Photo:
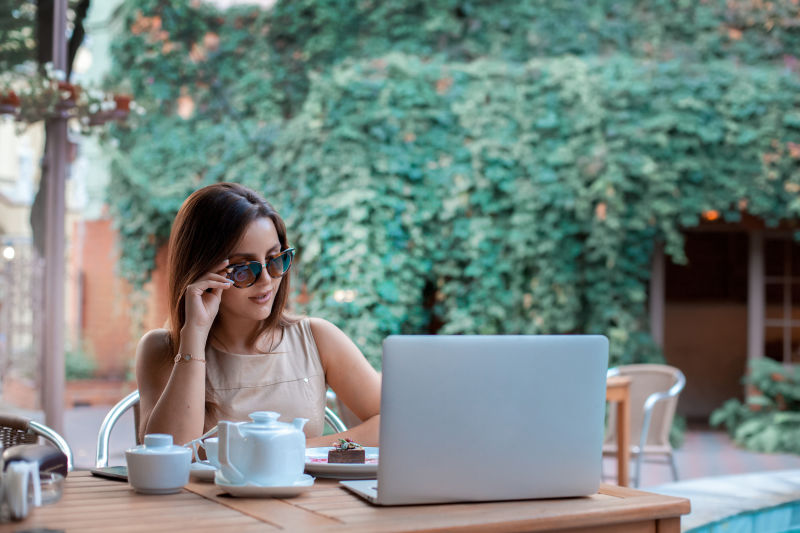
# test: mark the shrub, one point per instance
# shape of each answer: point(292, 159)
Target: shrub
point(79, 362)
point(769, 419)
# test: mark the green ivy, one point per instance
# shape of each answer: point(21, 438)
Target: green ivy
point(447, 165)
point(501, 198)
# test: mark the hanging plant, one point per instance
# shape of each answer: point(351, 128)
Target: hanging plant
point(28, 99)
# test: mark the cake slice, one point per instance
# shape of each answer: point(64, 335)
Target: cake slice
point(346, 451)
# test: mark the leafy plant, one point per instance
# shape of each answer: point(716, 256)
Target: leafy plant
point(463, 167)
point(769, 419)
point(79, 362)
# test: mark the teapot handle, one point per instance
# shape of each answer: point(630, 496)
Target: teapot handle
point(231, 473)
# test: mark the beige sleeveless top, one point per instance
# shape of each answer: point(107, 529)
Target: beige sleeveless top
point(290, 380)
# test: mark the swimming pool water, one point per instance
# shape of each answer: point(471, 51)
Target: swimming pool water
point(784, 518)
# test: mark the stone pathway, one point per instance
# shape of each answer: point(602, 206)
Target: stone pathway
point(707, 453)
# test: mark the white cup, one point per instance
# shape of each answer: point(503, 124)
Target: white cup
point(21, 488)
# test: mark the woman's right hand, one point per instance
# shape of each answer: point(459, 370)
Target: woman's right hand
point(203, 298)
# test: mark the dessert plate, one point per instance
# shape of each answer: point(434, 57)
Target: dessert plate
point(249, 490)
point(317, 464)
point(202, 471)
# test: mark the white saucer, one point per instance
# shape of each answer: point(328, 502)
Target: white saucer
point(202, 471)
point(249, 490)
point(318, 465)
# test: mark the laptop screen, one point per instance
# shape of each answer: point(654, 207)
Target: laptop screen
point(475, 418)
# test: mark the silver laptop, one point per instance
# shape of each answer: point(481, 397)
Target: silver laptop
point(479, 418)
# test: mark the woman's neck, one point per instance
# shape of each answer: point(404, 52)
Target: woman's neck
point(235, 336)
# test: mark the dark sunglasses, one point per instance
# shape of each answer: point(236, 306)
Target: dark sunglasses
point(244, 275)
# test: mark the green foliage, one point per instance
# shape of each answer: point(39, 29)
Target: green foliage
point(769, 420)
point(17, 28)
point(500, 198)
point(19, 32)
point(79, 362)
point(677, 432)
point(475, 179)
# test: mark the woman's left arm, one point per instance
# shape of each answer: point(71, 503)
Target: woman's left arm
point(353, 380)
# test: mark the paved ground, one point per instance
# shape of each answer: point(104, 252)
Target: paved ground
point(82, 425)
point(708, 453)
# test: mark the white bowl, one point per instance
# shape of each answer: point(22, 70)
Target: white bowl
point(158, 466)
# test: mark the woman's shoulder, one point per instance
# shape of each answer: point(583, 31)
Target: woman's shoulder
point(320, 325)
point(154, 345)
point(324, 331)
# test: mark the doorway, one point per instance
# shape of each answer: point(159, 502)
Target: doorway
point(705, 319)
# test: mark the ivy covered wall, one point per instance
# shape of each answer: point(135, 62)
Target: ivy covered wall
point(465, 167)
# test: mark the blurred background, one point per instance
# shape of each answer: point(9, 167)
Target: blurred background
point(449, 166)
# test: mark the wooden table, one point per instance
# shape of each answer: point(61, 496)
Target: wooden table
point(92, 504)
point(618, 390)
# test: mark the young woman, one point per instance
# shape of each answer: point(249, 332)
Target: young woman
point(231, 347)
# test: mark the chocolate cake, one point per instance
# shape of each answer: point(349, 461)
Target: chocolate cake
point(346, 451)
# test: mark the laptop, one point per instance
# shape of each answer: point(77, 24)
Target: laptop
point(484, 418)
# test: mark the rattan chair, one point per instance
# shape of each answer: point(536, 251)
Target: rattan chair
point(132, 401)
point(653, 399)
point(20, 430)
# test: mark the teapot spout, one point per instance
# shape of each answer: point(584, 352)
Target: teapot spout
point(298, 423)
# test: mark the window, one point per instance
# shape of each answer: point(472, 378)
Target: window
point(782, 299)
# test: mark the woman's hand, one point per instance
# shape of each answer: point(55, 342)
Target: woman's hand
point(203, 298)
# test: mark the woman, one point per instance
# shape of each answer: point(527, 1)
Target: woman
point(231, 347)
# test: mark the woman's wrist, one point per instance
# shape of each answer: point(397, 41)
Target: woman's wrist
point(192, 340)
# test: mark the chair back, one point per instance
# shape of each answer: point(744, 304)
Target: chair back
point(132, 401)
point(110, 420)
point(655, 388)
point(14, 430)
point(20, 430)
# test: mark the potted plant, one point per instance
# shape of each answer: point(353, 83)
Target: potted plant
point(9, 102)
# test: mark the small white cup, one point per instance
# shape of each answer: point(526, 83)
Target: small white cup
point(21, 488)
point(158, 466)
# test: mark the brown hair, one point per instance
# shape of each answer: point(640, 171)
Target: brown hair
point(208, 226)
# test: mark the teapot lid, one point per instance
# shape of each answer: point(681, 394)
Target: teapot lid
point(158, 439)
point(265, 419)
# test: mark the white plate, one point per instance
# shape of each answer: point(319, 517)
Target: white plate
point(317, 464)
point(258, 491)
point(202, 471)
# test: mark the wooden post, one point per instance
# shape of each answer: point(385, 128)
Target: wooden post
point(656, 303)
point(755, 296)
point(53, 332)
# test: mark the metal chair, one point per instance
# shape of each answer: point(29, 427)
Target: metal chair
point(132, 400)
point(20, 430)
point(347, 416)
point(653, 399)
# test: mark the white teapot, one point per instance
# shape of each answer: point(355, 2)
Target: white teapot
point(263, 452)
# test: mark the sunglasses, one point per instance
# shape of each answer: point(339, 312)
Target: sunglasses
point(244, 275)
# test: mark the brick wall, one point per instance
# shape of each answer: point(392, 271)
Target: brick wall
point(105, 301)
point(106, 321)
point(157, 308)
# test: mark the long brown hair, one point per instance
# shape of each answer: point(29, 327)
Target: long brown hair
point(208, 226)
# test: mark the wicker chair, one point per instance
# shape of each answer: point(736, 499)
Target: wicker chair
point(19, 430)
point(132, 401)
